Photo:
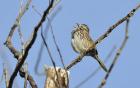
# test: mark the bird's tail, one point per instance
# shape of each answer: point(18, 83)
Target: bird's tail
point(100, 62)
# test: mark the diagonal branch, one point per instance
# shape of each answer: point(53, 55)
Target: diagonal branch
point(116, 56)
point(106, 34)
point(8, 42)
point(75, 61)
point(29, 78)
point(34, 33)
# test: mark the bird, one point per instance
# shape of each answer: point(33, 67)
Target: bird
point(81, 42)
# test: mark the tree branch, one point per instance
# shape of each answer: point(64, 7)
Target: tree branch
point(8, 42)
point(29, 78)
point(103, 82)
point(130, 14)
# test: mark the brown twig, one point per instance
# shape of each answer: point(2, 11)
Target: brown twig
point(6, 76)
point(53, 62)
point(29, 78)
point(75, 61)
point(26, 74)
point(19, 28)
point(128, 16)
point(8, 42)
point(103, 82)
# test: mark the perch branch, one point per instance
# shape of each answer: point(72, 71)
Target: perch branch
point(130, 14)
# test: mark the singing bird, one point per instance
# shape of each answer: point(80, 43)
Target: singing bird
point(81, 42)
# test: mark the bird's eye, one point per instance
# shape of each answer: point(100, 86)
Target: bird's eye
point(84, 26)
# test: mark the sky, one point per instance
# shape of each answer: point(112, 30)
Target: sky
point(99, 15)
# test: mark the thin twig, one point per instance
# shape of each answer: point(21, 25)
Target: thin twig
point(29, 78)
point(54, 39)
point(3, 74)
point(103, 82)
point(54, 4)
point(19, 28)
point(96, 70)
point(8, 42)
point(45, 35)
point(41, 48)
point(53, 62)
point(26, 74)
point(130, 14)
point(6, 76)
point(1, 79)
point(75, 61)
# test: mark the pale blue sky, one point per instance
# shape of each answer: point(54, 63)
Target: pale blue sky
point(99, 15)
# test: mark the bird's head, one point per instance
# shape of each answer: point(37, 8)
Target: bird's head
point(80, 27)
